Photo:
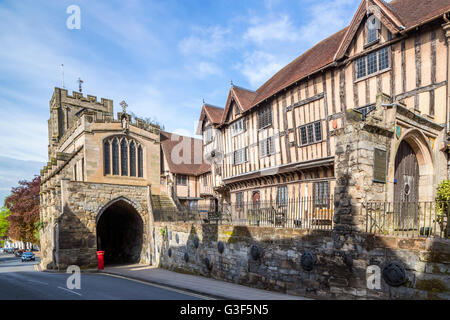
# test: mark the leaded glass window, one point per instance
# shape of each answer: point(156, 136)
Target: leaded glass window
point(140, 163)
point(107, 158)
point(132, 159)
point(124, 157)
point(371, 63)
point(115, 157)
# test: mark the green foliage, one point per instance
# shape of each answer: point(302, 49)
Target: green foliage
point(4, 223)
point(443, 201)
point(163, 232)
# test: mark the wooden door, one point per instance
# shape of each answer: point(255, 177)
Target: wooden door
point(406, 188)
point(255, 199)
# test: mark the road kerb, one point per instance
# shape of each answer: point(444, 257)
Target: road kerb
point(163, 284)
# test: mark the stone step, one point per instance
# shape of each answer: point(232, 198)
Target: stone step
point(163, 202)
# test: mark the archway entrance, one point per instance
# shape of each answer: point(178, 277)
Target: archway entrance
point(120, 233)
point(406, 188)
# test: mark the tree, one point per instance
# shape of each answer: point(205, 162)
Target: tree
point(23, 204)
point(442, 204)
point(4, 223)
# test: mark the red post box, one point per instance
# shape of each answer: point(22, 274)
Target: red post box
point(100, 260)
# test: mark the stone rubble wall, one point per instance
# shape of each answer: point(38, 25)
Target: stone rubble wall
point(337, 273)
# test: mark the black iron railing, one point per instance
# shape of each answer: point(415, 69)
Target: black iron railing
point(408, 219)
point(304, 213)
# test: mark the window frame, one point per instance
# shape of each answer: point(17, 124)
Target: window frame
point(182, 180)
point(209, 137)
point(244, 158)
point(377, 34)
point(268, 148)
point(322, 194)
point(263, 114)
point(378, 52)
point(282, 196)
point(114, 160)
point(304, 132)
point(239, 200)
point(235, 124)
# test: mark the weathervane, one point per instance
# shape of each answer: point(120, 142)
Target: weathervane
point(124, 106)
point(79, 84)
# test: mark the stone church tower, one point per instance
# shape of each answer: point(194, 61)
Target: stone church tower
point(97, 186)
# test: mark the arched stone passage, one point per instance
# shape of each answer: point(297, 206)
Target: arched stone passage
point(120, 233)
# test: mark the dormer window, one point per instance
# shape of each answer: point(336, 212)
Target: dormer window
point(208, 135)
point(238, 127)
point(373, 25)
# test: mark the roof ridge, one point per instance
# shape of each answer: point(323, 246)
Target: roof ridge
point(303, 54)
point(239, 87)
point(211, 105)
point(180, 135)
point(296, 59)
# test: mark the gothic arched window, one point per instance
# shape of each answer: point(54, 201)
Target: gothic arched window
point(132, 159)
point(115, 157)
point(140, 163)
point(107, 157)
point(124, 157)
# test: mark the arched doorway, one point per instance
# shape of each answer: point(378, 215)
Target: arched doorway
point(406, 188)
point(120, 233)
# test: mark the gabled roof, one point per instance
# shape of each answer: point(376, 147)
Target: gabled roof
point(212, 113)
point(316, 58)
point(243, 98)
point(415, 12)
point(387, 17)
point(404, 14)
point(168, 143)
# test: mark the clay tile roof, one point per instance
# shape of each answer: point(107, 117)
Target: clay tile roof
point(170, 140)
point(414, 12)
point(213, 113)
point(410, 12)
point(312, 60)
point(245, 97)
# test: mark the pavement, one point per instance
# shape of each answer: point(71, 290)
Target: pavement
point(198, 284)
point(21, 281)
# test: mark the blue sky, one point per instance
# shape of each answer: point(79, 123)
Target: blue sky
point(162, 57)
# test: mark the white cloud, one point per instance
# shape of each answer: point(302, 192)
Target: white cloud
point(278, 39)
point(259, 66)
point(279, 29)
point(205, 41)
point(204, 69)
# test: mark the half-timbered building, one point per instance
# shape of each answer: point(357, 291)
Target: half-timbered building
point(391, 66)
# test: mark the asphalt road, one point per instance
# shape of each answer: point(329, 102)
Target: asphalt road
point(19, 280)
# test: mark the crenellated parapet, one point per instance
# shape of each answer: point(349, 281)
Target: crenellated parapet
point(62, 96)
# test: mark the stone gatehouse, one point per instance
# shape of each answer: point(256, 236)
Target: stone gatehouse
point(104, 179)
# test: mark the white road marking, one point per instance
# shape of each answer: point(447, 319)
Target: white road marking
point(38, 282)
point(70, 291)
point(161, 287)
